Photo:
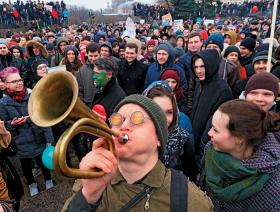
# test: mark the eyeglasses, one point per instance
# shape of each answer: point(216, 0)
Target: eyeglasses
point(136, 118)
point(63, 44)
point(16, 81)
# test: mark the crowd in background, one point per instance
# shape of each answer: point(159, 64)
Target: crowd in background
point(230, 9)
point(190, 73)
point(32, 12)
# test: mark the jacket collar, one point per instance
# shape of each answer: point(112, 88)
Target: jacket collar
point(155, 178)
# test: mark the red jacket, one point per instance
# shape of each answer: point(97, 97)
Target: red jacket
point(15, 13)
point(55, 14)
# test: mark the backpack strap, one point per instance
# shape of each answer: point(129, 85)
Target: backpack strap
point(179, 192)
point(136, 199)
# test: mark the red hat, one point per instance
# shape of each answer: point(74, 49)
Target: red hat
point(170, 73)
point(151, 42)
point(100, 111)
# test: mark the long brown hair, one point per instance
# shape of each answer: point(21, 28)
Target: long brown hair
point(248, 121)
point(72, 67)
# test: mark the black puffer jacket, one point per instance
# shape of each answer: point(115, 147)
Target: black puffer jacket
point(209, 94)
point(10, 176)
point(8, 60)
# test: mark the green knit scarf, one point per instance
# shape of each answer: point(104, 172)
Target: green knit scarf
point(229, 179)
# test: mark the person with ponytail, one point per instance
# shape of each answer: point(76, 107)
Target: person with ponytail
point(241, 162)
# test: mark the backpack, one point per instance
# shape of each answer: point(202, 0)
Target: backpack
point(179, 192)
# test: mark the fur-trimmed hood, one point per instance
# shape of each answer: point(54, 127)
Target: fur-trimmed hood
point(29, 49)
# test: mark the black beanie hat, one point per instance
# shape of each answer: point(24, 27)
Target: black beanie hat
point(38, 62)
point(156, 114)
point(231, 49)
point(50, 46)
point(263, 80)
point(249, 43)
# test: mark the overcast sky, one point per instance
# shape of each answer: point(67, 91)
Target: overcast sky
point(96, 4)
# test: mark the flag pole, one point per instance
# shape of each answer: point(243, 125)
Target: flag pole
point(275, 5)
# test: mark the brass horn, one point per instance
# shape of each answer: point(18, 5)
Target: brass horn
point(55, 99)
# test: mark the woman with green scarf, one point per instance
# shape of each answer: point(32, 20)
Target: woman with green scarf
point(242, 161)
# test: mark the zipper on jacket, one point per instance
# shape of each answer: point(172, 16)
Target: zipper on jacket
point(147, 203)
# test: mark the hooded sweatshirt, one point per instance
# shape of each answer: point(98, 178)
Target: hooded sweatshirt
point(208, 95)
point(155, 69)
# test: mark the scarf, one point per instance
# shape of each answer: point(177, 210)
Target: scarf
point(229, 179)
point(18, 95)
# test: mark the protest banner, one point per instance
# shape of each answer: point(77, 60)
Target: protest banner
point(167, 20)
point(178, 25)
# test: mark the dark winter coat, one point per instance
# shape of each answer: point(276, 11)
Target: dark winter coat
point(29, 138)
point(110, 96)
point(185, 63)
point(86, 84)
point(11, 178)
point(239, 87)
point(132, 77)
point(9, 60)
point(246, 60)
point(229, 72)
point(209, 94)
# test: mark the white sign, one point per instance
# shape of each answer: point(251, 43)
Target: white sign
point(208, 21)
point(178, 25)
point(130, 28)
point(48, 7)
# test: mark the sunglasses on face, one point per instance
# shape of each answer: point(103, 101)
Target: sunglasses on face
point(136, 118)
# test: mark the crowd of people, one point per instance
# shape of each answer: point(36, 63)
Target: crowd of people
point(31, 12)
point(228, 9)
point(195, 110)
point(243, 9)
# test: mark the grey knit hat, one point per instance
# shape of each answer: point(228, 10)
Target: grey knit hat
point(4, 41)
point(263, 55)
point(156, 114)
point(70, 47)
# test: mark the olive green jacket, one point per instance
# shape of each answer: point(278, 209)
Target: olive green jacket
point(119, 192)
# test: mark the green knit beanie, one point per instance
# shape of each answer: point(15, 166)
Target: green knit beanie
point(156, 114)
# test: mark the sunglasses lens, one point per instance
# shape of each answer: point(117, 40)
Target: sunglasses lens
point(115, 119)
point(137, 118)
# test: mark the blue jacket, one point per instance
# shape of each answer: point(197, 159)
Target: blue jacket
point(185, 63)
point(29, 138)
point(155, 69)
